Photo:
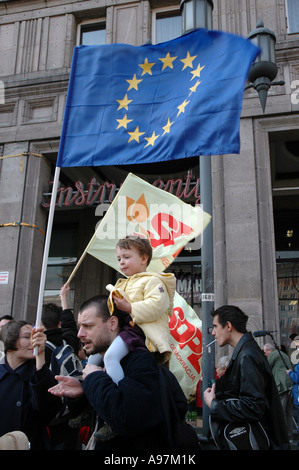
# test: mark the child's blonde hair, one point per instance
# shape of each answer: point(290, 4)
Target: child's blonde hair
point(142, 245)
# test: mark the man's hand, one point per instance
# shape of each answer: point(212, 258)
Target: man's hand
point(67, 387)
point(209, 395)
point(89, 368)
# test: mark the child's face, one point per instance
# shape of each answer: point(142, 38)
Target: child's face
point(130, 261)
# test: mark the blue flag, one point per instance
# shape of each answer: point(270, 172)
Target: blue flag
point(177, 99)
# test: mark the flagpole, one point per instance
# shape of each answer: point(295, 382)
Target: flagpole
point(46, 249)
point(76, 267)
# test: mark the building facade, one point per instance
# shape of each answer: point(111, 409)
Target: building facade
point(255, 194)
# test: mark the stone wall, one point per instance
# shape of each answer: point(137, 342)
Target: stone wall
point(36, 43)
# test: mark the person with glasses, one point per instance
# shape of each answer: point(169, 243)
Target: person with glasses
point(25, 404)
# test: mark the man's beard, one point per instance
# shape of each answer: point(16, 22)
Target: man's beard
point(97, 349)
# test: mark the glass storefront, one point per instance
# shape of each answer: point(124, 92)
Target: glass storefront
point(288, 298)
point(188, 282)
point(61, 262)
point(284, 148)
point(82, 197)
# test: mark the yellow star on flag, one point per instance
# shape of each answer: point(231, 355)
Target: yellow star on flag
point(167, 127)
point(167, 61)
point(196, 73)
point(188, 60)
point(124, 103)
point(123, 122)
point(146, 67)
point(135, 135)
point(182, 107)
point(151, 140)
point(194, 88)
point(133, 83)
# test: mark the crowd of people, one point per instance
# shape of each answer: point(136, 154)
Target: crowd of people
point(103, 382)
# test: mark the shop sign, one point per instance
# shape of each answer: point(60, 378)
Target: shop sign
point(4, 277)
point(96, 193)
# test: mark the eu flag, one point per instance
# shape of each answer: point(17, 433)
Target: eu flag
point(151, 103)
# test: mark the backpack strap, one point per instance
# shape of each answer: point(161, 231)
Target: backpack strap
point(51, 346)
point(54, 346)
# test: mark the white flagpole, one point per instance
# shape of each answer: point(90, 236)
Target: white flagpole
point(46, 249)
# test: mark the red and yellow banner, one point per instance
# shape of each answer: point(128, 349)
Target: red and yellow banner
point(170, 224)
point(186, 344)
point(142, 209)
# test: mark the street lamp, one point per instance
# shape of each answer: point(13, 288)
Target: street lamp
point(264, 68)
point(198, 14)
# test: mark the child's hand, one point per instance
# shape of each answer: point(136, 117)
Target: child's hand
point(122, 304)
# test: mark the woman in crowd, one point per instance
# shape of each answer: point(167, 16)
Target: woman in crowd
point(25, 404)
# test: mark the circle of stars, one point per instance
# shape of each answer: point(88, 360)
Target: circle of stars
point(134, 83)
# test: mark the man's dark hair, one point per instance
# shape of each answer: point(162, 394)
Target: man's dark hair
point(100, 302)
point(232, 314)
point(9, 317)
point(51, 316)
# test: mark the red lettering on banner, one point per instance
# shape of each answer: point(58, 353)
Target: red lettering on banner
point(168, 228)
point(186, 334)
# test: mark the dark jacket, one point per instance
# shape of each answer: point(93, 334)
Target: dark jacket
point(249, 379)
point(133, 407)
point(279, 362)
point(25, 404)
point(62, 436)
point(68, 332)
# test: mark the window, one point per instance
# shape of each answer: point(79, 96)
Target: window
point(188, 281)
point(61, 262)
point(167, 25)
point(91, 34)
point(284, 155)
point(293, 16)
point(288, 298)
point(58, 272)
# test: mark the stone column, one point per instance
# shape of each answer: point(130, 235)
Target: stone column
point(21, 185)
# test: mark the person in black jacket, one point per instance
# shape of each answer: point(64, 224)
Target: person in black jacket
point(61, 328)
point(25, 403)
point(247, 391)
point(60, 324)
point(133, 407)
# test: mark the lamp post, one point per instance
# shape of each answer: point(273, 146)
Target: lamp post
point(264, 68)
point(198, 14)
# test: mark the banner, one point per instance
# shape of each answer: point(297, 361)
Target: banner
point(143, 210)
point(178, 99)
point(186, 345)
